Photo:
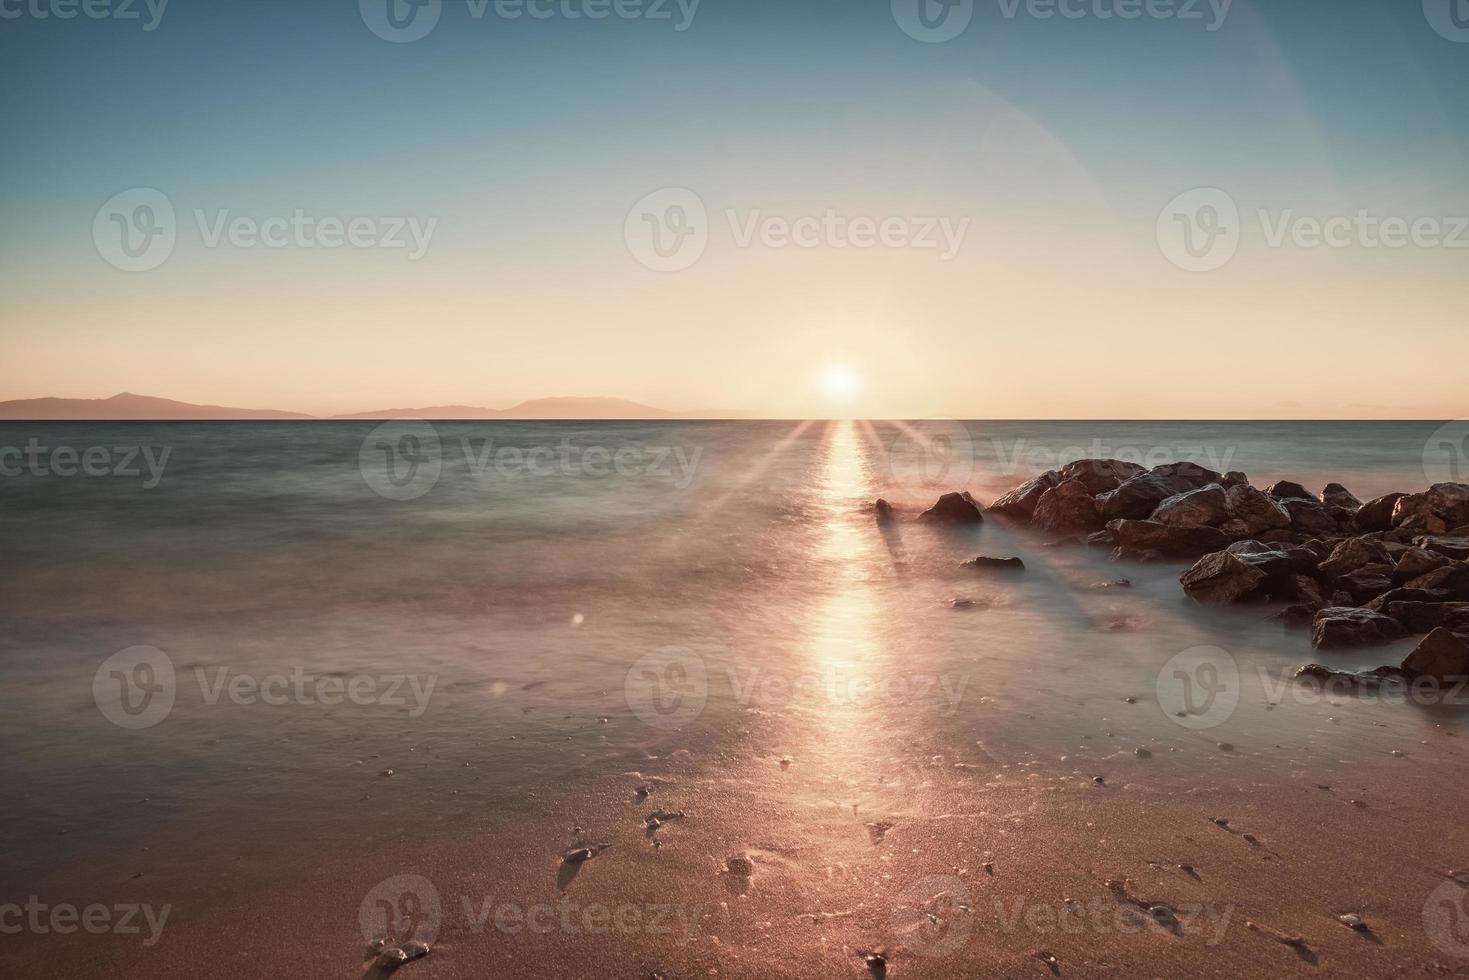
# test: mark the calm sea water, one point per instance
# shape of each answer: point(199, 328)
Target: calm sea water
point(497, 612)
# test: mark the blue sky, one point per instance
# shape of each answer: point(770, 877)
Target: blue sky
point(528, 141)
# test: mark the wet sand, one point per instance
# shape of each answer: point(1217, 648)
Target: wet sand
point(831, 882)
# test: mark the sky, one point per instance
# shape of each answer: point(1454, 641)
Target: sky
point(1160, 209)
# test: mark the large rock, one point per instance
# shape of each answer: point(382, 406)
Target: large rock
point(1020, 502)
point(1452, 578)
point(1276, 559)
point(1414, 512)
point(1376, 514)
point(1286, 490)
point(1336, 495)
point(1255, 511)
point(1205, 506)
point(1416, 562)
point(1190, 476)
point(1137, 498)
point(1366, 583)
point(954, 508)
point(1234, 478)
point(1449, 502)
point(1339, 627)
point(1422, 617)
point(1380, 603)
point(1440, 654)
point(1456, 549)
point(1352, 554)
point(883, 511)
point(1221, 579)
point(1101, 475)
point(1067, 508)
point(1309, 516)
point(1167, 540)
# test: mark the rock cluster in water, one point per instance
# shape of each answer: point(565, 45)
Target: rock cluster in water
point(1355, 573)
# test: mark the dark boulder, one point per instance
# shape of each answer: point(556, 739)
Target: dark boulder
point(985, 563)
point(1416, 562)
point(883, 511)
point(1067, 508)
point(1204, 506)
point(1449, 502)
point(1165, 539)
point(1336, 495)
point(1276, 559)
point(1101, 475)
point(1286, 490)
point(1190, 475)
point(1441, 655)
point(1376, 514)
point(1234, 478)
point(1352, 554)
point(1220, 579)
point(1421, 617)
point(1456, 549)
point(1309, 516)
point(1296, 617)
point(954, 508)
point(1138, 497)
point(1380, 603)
point(1254, 510)
point(1366, 583)
point(1340, 627)
point(1020, 502)
point(1452, 578)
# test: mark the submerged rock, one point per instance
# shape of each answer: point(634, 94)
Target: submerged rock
point(883, 511)
point(954, 508)
point(984, 563)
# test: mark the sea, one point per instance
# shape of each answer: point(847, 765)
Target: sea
point(230, 647)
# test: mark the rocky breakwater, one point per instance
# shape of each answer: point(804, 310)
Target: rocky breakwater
point(1355, 573)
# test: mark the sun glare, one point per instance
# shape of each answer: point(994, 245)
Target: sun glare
point(839, 382)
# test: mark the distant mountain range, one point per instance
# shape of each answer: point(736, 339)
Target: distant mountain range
point(130, 407)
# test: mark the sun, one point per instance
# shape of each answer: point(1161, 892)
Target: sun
point(839, 382)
